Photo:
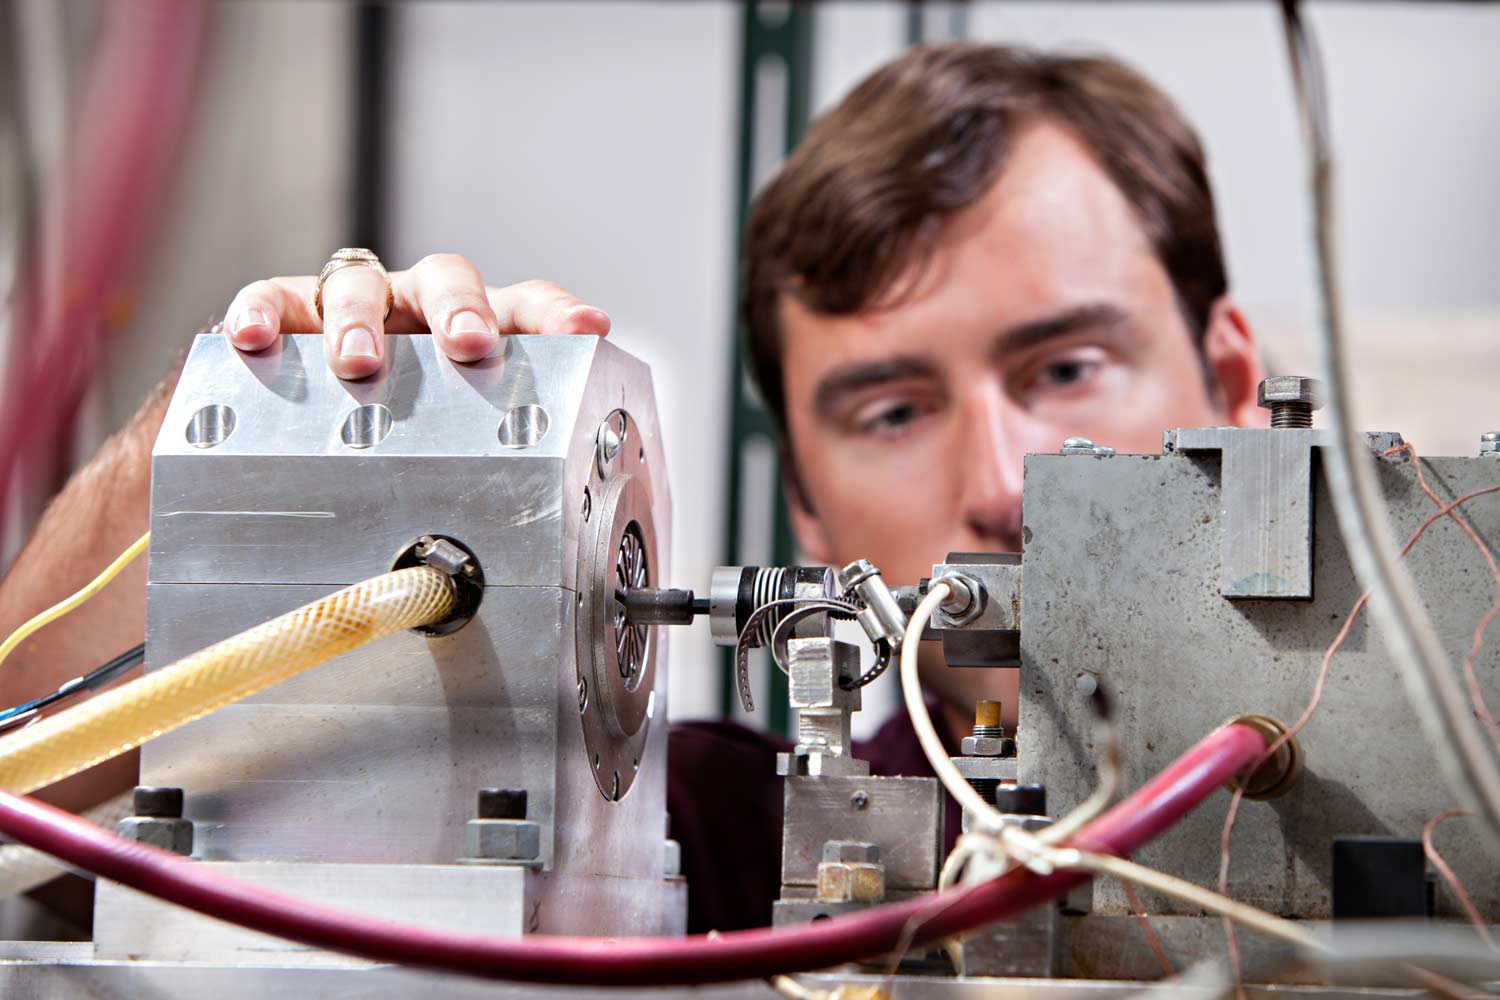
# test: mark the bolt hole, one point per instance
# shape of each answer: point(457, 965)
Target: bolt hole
point(588, 503)
point(468, 587)
point(366, 426)
point(524, 426)
point(210, 426)
point(596, 762)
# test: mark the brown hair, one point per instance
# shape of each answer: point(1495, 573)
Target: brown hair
point(858, 207)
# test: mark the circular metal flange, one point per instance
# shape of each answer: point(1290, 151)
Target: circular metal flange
point(616, 661)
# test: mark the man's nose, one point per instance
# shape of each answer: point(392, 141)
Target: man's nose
point(997, 436)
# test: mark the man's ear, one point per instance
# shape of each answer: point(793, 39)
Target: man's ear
point(812, 538)
point(1233, 365)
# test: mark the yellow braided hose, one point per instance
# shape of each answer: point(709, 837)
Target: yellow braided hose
point(122, 719)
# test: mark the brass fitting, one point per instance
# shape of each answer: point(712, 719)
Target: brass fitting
point(1277, 775)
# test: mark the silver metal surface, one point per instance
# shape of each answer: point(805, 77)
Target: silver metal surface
point(1120, 567)
point(46, 970)
point(903, 817)
point(502, 840)
point(375, 757)
point(1266, 511)
point(462, 898)
point(820, 688)
point(986, 635)
point(1489, 443)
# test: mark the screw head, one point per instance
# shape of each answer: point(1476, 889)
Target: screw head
point(860, 800)
point(1080, 443)
point(1290, 389)
point(1087, 684)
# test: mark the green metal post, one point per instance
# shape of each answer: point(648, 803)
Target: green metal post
point(771, 32)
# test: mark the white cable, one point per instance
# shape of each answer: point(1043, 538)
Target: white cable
point(23, 869)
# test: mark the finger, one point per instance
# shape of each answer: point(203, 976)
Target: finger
point(354, 321)
point(447, 291)
point(542, 307)
point(264, 309)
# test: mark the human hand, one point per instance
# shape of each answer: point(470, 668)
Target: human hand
point(441, 294)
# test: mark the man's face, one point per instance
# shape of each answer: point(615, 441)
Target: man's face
point(1043, 314)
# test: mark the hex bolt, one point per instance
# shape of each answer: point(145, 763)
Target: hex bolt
point(158, 820)
point(502, 803)
point(851, 871)
point(1489, 444)
point(1291, 399)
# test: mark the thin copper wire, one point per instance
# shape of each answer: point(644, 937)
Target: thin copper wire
point(1152, 939)
point(1470, 910)
point(1444, 510)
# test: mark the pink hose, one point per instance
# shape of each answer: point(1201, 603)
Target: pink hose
point(1152, 809)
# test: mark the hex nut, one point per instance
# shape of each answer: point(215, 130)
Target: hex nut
point(170, 834)
point(856, 882)
point(1489, 443)
point(503, 839)
point(1290, 389)
point(988, 746)
point(850, 851)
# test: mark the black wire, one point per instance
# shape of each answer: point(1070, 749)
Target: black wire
point(91, 681)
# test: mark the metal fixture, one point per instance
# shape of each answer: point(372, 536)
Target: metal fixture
point(1489, 443)
point(1291, 399)
point(851, 872)
point(501, 833)
point(158, 820)
point(454, 558)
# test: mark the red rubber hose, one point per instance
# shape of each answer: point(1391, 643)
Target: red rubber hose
point(1152, 809)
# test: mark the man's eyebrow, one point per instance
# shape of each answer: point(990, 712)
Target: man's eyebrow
point(852, 378)
point(1090, 316)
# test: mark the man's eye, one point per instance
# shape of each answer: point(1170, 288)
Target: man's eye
point(889, 418)
point(1066, 372)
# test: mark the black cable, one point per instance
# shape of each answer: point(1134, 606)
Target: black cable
point(91, 681)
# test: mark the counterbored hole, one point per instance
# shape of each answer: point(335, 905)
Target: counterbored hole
point(210, 426)
point(523, 426)
point(367, 426)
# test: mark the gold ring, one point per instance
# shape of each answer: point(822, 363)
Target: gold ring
point(351, 257)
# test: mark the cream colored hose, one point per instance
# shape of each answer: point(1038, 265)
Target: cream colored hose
point(121, 720)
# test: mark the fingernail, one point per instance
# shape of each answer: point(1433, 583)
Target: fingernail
point(358, 343)
point(467, 323)
point(251, 317)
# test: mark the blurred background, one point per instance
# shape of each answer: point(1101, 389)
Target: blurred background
point(156, 155)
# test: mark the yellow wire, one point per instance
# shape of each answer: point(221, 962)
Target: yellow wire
point(62, 607)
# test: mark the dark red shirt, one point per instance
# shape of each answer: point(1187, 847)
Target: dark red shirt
point(725, 800)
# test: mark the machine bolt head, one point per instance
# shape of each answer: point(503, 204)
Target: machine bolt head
point(1489, 443)
point(161, 802)
point(175, 835)
point(988, 746)
point(1290, 389)
point(502, 839)
point(860, 801)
